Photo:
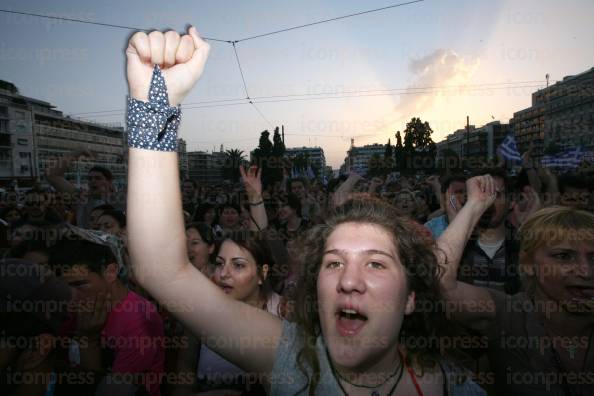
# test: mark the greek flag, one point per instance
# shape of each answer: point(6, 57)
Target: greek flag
point(566, 159)
point(509, 150)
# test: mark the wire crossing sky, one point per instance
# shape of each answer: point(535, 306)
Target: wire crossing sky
point(327, 70)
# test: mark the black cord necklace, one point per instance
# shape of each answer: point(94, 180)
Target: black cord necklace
point(398, 371)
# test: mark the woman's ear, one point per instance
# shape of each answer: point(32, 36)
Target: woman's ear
point(410, 303)
point(263, 273)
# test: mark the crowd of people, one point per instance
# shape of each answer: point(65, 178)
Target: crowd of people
point(469, 282)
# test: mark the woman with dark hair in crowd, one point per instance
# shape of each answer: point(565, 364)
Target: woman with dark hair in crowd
point(364, 268)
point(289, 221)
point(206, 213)
point(200, 245)
point(242, 268)
point(540, 340)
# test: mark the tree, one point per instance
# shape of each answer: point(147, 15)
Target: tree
point(233, 158)
point(399, 159)
point(276, 163)
point(388, 163)
point(278, 148)
point(419, 148)
point(374, 166)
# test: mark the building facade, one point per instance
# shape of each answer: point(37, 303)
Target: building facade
point(33, 134)
point(206, 168)
point(358, 158)
point(314, 155)
point(561, 116)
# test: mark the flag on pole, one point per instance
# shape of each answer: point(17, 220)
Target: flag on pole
point(567, 159)
point(509, 150)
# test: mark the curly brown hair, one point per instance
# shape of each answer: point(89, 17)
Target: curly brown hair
point(416, 255)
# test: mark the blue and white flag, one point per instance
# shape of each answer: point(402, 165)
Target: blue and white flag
point(509, 150)
point(566, 159)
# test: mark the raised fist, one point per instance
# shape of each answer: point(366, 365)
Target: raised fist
point(181, 60)
point(481, 191)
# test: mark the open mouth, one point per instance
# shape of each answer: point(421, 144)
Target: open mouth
point(349, 322)
point(226, 288)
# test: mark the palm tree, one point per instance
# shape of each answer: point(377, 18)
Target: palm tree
point(234, 158)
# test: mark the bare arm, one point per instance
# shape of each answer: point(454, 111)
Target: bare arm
point(155, 223)
point(55, 174)
point(252, 182)
point(462, 298)
point(342, 192)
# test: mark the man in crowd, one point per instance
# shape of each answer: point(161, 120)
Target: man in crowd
point(118, 333)
point(100, 186)
point(33, 304)
point(491, 259)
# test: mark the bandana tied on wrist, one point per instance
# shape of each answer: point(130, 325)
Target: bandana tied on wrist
point(153, 125)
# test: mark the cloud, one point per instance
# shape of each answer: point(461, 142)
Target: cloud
point(442, 67)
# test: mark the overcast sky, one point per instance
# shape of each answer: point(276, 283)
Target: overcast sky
point(501, 50)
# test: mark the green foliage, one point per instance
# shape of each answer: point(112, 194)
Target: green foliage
point(234, 158)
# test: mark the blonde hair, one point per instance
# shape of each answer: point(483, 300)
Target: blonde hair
point(549, 226)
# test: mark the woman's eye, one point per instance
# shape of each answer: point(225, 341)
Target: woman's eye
point(333, 264)
point(376, 265)
point(563, 256)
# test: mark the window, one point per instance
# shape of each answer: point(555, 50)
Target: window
point(22, 141)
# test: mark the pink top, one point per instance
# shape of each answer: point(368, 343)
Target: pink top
point(134, 332)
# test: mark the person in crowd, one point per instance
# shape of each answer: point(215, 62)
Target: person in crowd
point(363, 270)
point(10, 214)
point(229, 217)
point(117, 333)
point(242, 267)
point(289, 221)
point(574, 191)
point(206, 213)
point(452, 198)
point(113, 222)
point(422, 205)
point(310, 209)
point(200, 246)
point(100, 186)
point(34, 251)
point(26, 230)
point(491, 259)
point(38, 207)
point(95, 213)
point(540, 339)
point(190, 196)
point(406, 203)
point(33, 304)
